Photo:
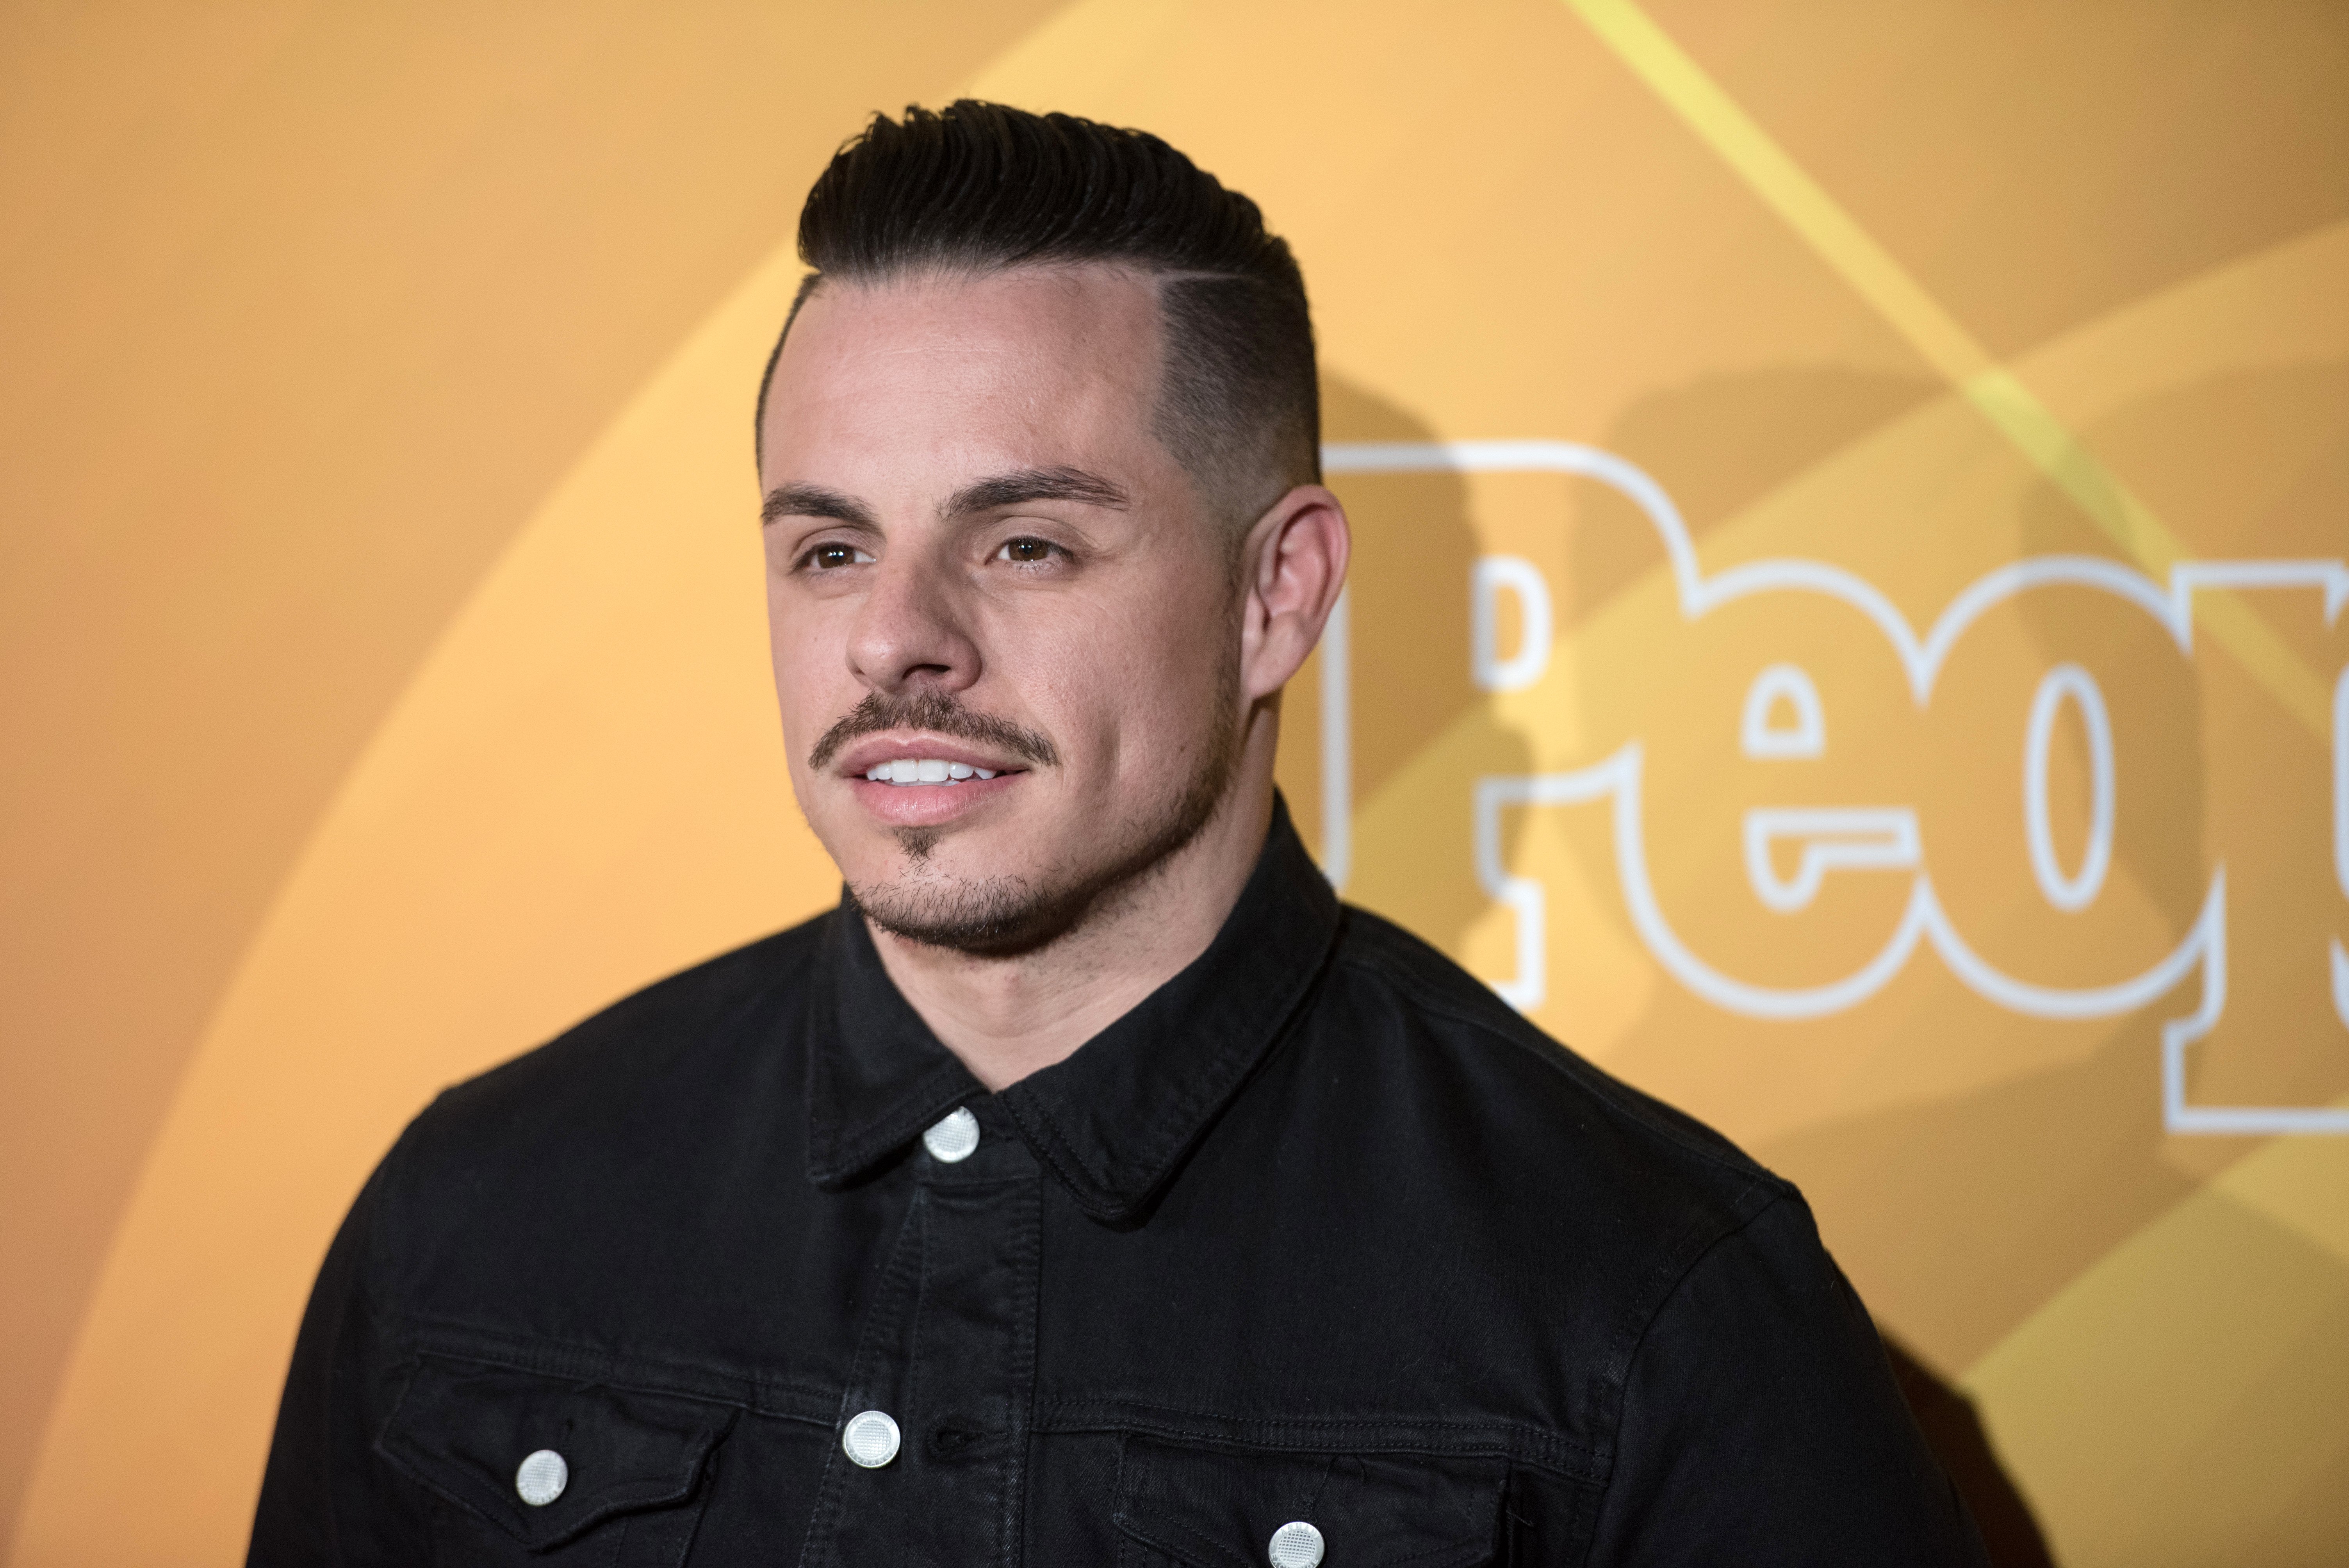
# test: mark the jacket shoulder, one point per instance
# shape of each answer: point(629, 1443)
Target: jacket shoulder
point(1590, 1125)
point(612, 1060)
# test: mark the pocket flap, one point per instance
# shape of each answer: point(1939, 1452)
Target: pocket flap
point(464, 1429)
point(1216, 1508)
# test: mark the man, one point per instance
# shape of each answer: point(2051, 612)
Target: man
point(1089, 1187)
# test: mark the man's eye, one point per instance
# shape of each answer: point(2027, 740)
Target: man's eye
point(828, 557)
point(1025, 550)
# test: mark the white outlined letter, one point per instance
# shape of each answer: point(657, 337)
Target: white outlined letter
point(1833, 839)
point(2078, 890)
point(1806, 737)
point(1521, 577)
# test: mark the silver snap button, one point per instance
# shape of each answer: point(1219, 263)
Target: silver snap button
point(1296, 1545)
point(869, 1439)
point(954, 1138)
point(542, 1478)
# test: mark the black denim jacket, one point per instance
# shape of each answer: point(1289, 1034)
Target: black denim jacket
point(1321, 1234)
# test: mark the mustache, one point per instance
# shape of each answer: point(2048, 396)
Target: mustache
point(941, 713)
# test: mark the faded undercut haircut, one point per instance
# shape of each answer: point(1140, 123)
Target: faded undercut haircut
point(977, 188)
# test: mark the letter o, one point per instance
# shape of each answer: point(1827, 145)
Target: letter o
point(2073, 892)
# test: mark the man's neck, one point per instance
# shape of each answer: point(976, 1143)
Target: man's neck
point(1008, 1018)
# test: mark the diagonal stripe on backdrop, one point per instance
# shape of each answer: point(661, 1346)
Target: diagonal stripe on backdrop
point(1995, 392)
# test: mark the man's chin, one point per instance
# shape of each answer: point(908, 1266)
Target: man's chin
point(943, 892)
point(948, 889)
point(990, 917)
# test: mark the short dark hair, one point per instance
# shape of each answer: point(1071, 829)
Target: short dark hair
point(979, 188)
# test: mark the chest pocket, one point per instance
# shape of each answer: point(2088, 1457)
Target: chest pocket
point(1207, 1508)
point(554, 1470)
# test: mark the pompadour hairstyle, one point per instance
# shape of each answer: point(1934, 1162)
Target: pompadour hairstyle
point(979, 188)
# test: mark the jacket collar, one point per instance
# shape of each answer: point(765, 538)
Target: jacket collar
point(1115, 1120)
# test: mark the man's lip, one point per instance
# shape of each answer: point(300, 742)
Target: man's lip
point(928, 805)
point(874, 751)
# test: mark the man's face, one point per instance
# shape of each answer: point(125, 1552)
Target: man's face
point(1004, 620)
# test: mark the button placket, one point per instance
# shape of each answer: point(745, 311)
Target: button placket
point(930, 1458)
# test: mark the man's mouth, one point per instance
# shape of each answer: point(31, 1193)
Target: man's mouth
point(925, 781)
point(931, 730)
point(924, 770)
point(910, 770)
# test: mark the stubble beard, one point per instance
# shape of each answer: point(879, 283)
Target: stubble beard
point(997, 917)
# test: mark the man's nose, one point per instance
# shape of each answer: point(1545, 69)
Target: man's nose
point(911, 632)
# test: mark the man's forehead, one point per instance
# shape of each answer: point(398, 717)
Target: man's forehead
point(1090, 318)
point(1012, 365)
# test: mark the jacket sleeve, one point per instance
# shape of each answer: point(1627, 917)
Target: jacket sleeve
point(1761, 1424)
point(324, 1497)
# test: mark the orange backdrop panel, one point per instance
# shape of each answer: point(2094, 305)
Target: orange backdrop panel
point(1853, 506)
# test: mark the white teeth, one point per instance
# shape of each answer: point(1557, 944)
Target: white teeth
point(925, 770)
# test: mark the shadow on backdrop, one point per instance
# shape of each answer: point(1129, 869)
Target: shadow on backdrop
point(1718, 446)
point(2209, 770)
point(1954, 1429)
point(1408, 592)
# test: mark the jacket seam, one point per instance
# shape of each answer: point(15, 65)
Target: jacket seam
point(557, 1358)
point(1232, 1068)
point(1177, 1126)
point(1621, 1375)
point(1531, 1445)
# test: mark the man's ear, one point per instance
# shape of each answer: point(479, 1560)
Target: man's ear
point(1294, 562)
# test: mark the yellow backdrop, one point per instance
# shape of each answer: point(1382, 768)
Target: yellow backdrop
point(1853, 506)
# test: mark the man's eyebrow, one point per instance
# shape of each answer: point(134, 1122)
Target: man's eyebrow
point(1038, 484)
point(813, 500)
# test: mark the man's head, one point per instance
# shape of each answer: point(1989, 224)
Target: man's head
point(981, 188)
point(1039, 448)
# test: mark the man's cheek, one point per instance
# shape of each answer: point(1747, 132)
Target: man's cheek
point(812, 672)
point(1078, 673)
